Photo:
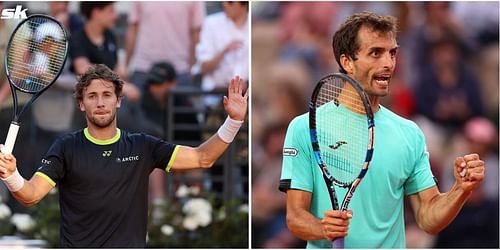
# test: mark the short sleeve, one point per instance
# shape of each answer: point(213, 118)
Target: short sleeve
point(77, 49)
point(205, 49)
point(296, 172)
point(135, 13)
point(52, 167)
point(163, 153)
point(197, 15)
point(421, 177)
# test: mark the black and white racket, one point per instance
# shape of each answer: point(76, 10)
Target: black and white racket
point(34, 58)
point(342, 135)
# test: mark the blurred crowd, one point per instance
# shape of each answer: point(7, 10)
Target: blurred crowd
point(156, 47)
point(446, 80)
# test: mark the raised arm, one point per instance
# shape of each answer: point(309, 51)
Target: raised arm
point(205, 155)
point(26, 192)
point(434, 210)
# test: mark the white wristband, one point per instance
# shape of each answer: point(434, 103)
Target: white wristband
point(14, 182)
point(229, 129)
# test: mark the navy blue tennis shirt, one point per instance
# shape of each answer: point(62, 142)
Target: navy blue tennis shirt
point(103, 186)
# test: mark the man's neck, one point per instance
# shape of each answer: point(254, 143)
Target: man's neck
point(375, 102)
point(240, 20)
point(95, 32)
point(102, 133)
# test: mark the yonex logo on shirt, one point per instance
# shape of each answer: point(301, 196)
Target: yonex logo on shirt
point(107, 153)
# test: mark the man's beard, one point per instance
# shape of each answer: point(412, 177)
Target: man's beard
point(101, 123)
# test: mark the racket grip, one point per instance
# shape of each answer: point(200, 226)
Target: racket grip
point(11, 138)
point(338, 243)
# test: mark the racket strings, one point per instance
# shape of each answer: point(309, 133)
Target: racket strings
point(36, 54)
point(351, 98)
point(342, 130)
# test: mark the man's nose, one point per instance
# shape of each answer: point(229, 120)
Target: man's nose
point(389, 61)
point(100, 101)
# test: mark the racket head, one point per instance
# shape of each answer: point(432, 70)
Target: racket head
point(342, 130)
point(36, 53)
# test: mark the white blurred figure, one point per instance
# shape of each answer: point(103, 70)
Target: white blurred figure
point(223, 50)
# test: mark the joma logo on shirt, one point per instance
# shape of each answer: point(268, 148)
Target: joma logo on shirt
point(127, 159)
point(338, 144)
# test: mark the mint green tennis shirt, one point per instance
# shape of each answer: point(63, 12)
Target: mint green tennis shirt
point(400, 166)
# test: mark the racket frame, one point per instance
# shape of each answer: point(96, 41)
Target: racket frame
point(327, 177)
point(15, 124)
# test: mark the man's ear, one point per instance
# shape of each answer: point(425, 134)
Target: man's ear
point(119, 102)
point(347, 63)
point(82, 107)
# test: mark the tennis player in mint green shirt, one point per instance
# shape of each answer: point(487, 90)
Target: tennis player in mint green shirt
point(400, 164)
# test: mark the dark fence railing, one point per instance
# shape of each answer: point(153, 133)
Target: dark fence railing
point(190, 122)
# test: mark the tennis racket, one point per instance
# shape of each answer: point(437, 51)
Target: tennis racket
point(342, 134)
point(34, 58)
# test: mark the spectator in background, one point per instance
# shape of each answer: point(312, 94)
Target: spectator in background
point(476, 226)
point(439, 22)
point(163, 31)
point(483, 31)
point(53, 112)
point(96, 44)
point(305, 34)
point(269, 228)
point(162, 78)
point(223, 48)
point(479, 135)
point(447, 92)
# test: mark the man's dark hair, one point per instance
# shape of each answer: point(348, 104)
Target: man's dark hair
point(86, 8)
point(98, 71)
point(345, 39)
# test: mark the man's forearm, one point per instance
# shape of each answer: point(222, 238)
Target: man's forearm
point(26, 195)
point(215, 146)
point(304, 225)
point(195, 38)
point(442, 210)
point(21, 189)
point(209, 66)
point(211, 150)
point(130, 40)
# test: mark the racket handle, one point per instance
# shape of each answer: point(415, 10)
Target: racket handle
point(11, 138)
point(338, 243)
